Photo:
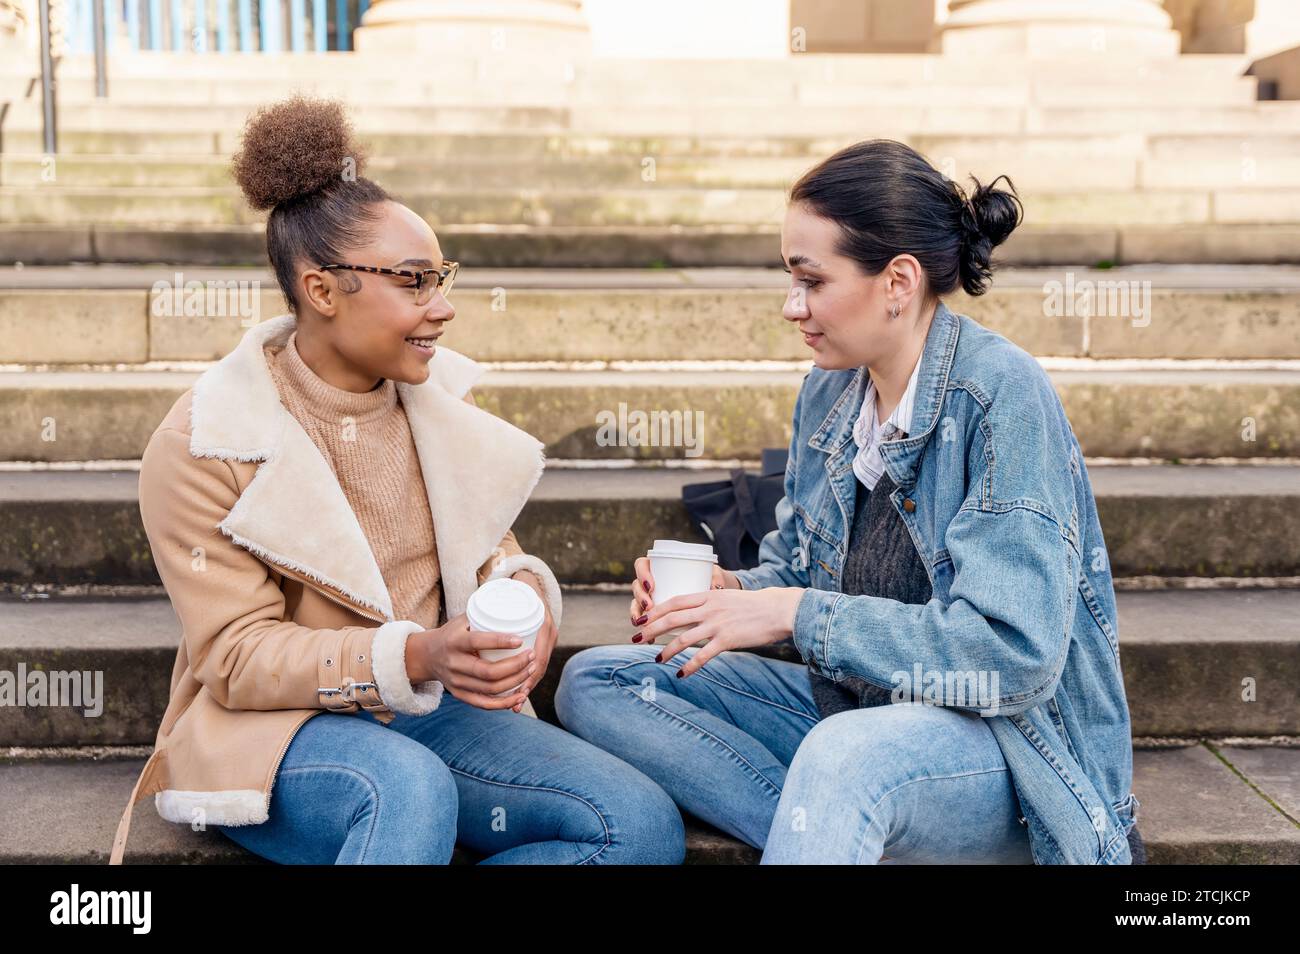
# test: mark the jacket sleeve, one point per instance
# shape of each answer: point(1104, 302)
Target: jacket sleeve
point(1009, 608)
point(509, 558)
point(239, 644)
point(781, 561)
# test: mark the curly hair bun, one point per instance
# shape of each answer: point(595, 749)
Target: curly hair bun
point(293, 148)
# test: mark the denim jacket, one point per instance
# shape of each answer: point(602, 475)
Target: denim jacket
point(993, 490)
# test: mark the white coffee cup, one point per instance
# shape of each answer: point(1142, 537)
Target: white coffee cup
point(506, 606)
point(679, 569)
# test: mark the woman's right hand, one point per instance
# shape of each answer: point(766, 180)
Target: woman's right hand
point(450, 655)
point(643, 586)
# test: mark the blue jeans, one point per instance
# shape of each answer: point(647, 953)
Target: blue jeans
point(741, 745)
point(351, 790)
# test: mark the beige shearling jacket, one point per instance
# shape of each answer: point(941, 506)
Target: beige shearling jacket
point(283, 609)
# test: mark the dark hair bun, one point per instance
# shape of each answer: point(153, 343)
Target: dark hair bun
point(888, 200)
point(988, 219)
point(294, 148)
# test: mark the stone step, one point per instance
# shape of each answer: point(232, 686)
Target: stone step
point(377, 67)
point(936, 119)
point(402, 175)
point(90, 795)
point(484, 116)
point(166, 145)
point(1149, 411)
point(713, 246)
point(442, 146)
point(1206, 278)
point(242, 94)
point(807, 78)
point(1143, 145)
point(83, 527)
point(1235, 203)
point(1200, 804)
point(1186, 654)
point(1120, 413)
point(1032, 173)
point(831, 110)
point(137, 107)
point(107, 314)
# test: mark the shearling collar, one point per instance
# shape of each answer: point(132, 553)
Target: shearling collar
point(478, 472)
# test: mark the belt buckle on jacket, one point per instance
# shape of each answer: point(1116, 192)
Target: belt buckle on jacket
point(351, 687)
point(348, 693)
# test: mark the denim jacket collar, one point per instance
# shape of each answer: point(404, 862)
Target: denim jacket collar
point(835, 434)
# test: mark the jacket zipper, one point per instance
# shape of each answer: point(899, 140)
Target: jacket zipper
point(280, 757)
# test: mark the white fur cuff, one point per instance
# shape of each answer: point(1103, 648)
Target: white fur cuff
point(238, 807)
point(388, 663)
point(522, 561)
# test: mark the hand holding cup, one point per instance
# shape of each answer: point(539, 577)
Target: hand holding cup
point(682, 568)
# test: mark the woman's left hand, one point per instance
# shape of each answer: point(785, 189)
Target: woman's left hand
point(547, 635)
point(728, 619)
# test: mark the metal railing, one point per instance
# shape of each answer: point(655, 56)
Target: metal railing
point(192, 26)
point(215, 26)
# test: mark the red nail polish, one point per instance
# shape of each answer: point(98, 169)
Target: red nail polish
point(636, 638)
point(680, 674)
point(640, 620)
point(659, 658)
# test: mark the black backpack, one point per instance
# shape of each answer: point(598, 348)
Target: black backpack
point(736, 514)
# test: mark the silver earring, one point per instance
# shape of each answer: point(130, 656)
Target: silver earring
point(894, 310)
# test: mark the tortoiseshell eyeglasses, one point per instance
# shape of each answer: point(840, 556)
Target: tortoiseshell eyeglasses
point(425, 281)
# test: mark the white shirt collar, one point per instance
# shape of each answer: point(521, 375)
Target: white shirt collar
point(867, 463)
point(901, 418)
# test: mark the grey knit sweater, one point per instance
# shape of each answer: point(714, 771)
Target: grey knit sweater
point(882, 561)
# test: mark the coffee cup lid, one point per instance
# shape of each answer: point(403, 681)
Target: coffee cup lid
point(505, 606)
point(679, 550)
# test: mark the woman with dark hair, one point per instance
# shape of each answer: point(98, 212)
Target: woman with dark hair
point(320, 507)
point(938, 563)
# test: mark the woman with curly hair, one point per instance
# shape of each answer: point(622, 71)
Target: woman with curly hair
point(320, 506)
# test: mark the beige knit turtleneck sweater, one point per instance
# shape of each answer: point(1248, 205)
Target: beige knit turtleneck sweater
point(366, 439)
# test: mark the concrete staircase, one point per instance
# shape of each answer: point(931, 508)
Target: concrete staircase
point(618, 224)
point(641, 163)
point(1205, 551)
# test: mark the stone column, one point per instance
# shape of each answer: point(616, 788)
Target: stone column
point(1257, 28)
point(864, 26)
point(472, 28)
point(20, 29)
point(16, 26)
point(1048, 28)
